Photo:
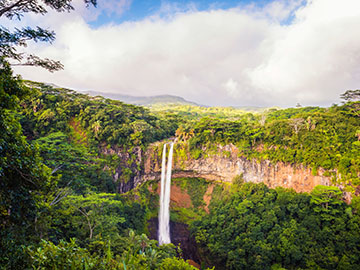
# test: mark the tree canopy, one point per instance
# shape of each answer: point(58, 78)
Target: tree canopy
point(254, 227)
point(351, 95)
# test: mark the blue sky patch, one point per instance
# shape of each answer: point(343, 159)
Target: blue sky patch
point(140, 9)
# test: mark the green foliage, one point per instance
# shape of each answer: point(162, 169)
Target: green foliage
point(195, 187)
point(196, 153)
point(88, 216)
point(64, 256)
point(140, 253)
point(94, 218)
point(25, 180)
point(175, 264)
point(146, 198)
point(192, 112)
point(75, 145)
point(113, 122)
point(75, 165)
point(79, 136)
point(11, 40)
point(261, 228)
point(195, 207)
point(10, 87)
point(324, 195)
point(351, 95)
point(184, 215)
point(316, 137)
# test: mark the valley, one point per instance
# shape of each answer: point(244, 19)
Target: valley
point(263, 174)
point(211, 135)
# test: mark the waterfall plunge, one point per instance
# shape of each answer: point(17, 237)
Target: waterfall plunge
point(164, 214)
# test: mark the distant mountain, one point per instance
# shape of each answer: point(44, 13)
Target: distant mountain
point(155, 102)
point(147, 101)
point(144, 100)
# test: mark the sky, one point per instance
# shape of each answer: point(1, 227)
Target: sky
point(217, 53)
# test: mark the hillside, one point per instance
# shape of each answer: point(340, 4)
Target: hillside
point(146, 101)
point(147, 180)
point(88, 169)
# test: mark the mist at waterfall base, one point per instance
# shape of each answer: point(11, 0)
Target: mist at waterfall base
point(164, 213)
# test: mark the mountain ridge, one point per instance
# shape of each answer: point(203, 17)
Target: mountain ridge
point(153, 101)
point(145, 100)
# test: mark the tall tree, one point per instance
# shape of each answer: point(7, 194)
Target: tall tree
point(351, 95)
point(24, 178)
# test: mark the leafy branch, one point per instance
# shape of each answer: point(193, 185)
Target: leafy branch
point(10, 41)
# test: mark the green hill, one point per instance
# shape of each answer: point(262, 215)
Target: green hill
point(146, 101)
point(71, 185)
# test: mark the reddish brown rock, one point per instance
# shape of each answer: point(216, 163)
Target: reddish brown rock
point(226, 164)
point(178, 197)
point(208, 196)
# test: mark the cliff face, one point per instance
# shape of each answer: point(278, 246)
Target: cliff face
point(127, 174)
point(225, 164)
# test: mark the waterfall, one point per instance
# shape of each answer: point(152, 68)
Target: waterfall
point(162, 190)
point(166, 239)
point(164, 214)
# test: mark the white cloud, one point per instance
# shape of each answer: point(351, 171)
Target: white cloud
point(232, 87)
point(115, 6)
point(240, 56)
point(276, 11)
point(317, 57)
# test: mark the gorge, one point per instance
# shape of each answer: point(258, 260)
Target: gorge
point(246, 193)
point(225, 164)
point(97, 179)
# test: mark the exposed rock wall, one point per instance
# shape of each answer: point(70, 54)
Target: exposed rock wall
point(223, 165)
point(226, 164)
point(126, 174)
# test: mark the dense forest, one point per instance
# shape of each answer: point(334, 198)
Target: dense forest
point(72, 194)
point(59, 209)
point(254, 227)
point(74, 131)
point(327, 138)
point(64, 156)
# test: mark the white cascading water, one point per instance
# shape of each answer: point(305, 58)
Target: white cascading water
point(164, 214)
point(162, 189)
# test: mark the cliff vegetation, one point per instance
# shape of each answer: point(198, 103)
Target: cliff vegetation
point(72, 193)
